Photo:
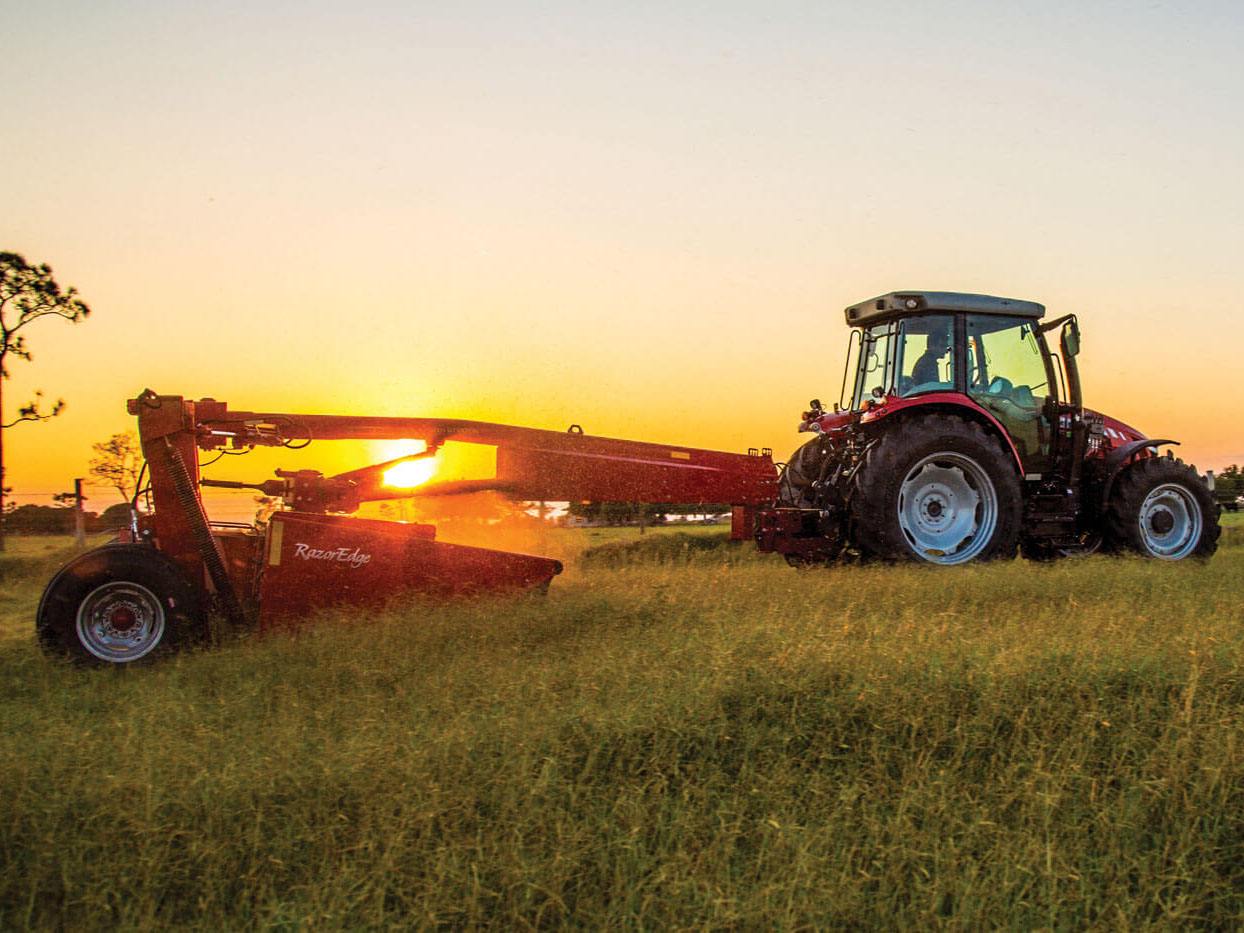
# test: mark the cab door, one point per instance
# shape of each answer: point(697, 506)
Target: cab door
point(1008, 374)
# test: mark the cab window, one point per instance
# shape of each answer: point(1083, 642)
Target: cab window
point(1007, 375)
point(926, 359)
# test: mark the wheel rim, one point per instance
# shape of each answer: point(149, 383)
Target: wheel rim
point(947, 508)
point(120, 622)
point(1170, 522)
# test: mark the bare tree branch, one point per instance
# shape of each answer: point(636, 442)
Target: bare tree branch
point(30, 411)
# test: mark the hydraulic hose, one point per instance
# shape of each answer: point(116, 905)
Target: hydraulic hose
point(208, 549)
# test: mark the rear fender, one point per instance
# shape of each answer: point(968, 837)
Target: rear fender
point(945, 401)
point(1120, 457)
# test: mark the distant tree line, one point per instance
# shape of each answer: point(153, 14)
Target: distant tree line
point(58, 520)
point(1229, 483)
point(633, 513)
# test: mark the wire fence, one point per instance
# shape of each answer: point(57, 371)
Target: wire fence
point(100, 495)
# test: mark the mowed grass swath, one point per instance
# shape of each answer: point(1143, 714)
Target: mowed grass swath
point(682, 733)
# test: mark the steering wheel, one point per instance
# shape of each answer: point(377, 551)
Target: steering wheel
point(976, 372)
point(1000, 386)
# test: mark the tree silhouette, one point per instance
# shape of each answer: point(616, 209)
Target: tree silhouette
point(117, 462)
point(1230, 482)
point(27, 293)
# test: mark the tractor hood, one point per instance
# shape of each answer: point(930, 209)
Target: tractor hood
point(1115, 432)
point(828, 421)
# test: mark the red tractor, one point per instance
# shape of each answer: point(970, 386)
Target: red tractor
point(959, 436)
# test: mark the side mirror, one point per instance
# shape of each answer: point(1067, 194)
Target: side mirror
point(1070, 338)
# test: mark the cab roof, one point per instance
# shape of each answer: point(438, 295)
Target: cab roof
point(896, 304)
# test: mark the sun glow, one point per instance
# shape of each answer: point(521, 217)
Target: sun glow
point(411, 473)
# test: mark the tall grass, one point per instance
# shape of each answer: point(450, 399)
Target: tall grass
point(676, 736)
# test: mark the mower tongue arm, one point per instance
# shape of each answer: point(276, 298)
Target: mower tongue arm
point(532, 463)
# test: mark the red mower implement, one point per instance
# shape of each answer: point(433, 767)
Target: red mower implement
point(152, 593)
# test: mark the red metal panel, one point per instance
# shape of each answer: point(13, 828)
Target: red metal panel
point(166, 424)
point(742, 523)
point(891, 404)
point(626, 471)
point(315, 561)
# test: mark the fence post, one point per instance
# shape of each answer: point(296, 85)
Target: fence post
point(79, 517)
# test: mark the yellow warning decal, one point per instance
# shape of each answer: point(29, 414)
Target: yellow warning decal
point(680, 455)
point(276, 533)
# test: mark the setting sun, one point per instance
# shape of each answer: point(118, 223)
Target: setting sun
point(411, 473)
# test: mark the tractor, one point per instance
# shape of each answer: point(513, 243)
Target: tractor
point(959, 435)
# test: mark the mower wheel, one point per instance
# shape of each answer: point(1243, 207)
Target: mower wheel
point(119, 604)
point(938, 489)
point(1161, 507)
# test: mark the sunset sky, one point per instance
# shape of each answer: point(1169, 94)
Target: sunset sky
point(645, 218)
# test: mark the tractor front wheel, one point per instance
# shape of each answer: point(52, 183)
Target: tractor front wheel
point(118, 604)
point(804, 468)
point(937, 489)
point(1161, 507)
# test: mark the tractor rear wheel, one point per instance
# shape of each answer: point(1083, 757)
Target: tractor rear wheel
point(1161, 507)
point(119, 604)
point(937, 489)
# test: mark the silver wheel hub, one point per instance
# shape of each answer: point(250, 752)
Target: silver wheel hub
point(1170, 522)
point(947, 508)
point(120, 621)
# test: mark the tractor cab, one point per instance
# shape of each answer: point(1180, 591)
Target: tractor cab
point(988, 353)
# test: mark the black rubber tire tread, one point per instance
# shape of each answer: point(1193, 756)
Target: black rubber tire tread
point(1041, 553)
point(185, 622)
point(1136, 482)
point(800, 472)
point(902, 444)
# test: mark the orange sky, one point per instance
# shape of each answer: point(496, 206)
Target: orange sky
point(643, 220)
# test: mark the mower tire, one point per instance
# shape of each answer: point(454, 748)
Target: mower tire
point(1161, 507)
point(938, 489)
point(119, 604)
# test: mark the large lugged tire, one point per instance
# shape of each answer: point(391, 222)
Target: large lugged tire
point(1162, 508)
point(801, 471)
point(938, 489)
point(119, 604)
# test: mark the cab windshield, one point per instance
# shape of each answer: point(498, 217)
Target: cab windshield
point(906, 357)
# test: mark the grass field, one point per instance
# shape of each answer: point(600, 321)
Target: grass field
point(683, 733)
